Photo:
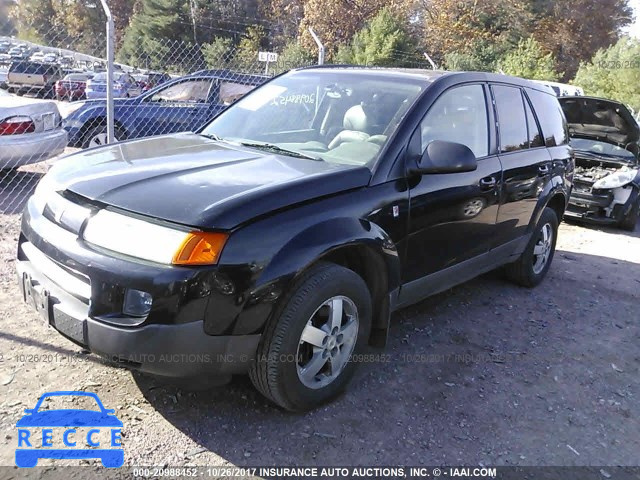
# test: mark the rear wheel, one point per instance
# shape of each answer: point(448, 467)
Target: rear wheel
point(305, 357)
point(629, 222)
point(532, 266)
point(97, 136)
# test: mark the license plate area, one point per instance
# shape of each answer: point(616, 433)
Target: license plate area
point(49, 121)
point(38, 297)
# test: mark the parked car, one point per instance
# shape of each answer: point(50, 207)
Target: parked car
point(184, 104)
point(72, 86)
point(563, 89)
point(278, 239)
point(50, 58)
point(18, 53)
point(124, 86)
point(4, 73)
point(5, 46)
point(605, 137)
point(32, 77)
point(30, 131)
point(37, 57)
point(147, 81)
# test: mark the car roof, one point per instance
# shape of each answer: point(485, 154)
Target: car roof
point(432, 75)
point(230, 75)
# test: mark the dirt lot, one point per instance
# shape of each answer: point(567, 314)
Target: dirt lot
point(486, 373)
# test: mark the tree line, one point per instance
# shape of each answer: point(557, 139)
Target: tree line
point(541, 39)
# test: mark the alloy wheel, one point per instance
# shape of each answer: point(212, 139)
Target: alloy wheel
point(327, 342)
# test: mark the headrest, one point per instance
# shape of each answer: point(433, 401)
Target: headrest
point(355, 119)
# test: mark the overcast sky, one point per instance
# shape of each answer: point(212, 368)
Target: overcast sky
point(634, 30)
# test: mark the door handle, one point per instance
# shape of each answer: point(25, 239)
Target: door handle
point(544, 169)
point(488, 183)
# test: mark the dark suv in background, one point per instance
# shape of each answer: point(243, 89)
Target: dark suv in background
point(278, 240)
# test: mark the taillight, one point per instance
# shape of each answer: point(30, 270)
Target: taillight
point(17, 125)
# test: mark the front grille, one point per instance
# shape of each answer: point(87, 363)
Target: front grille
point(71, 281)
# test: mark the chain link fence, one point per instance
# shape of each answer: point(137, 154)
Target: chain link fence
point(53, 89)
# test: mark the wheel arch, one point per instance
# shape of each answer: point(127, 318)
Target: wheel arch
point(359, 245)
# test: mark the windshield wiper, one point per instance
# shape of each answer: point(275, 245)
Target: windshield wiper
point(276, 149)
point(212, 136)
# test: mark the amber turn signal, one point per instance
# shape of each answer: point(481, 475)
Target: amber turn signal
point(200, 248)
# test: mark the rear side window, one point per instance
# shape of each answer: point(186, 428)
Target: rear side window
point(512, 119)
point(18, 67)
point(551, 117)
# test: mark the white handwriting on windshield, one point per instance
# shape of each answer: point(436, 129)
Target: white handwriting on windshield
point(297, 99)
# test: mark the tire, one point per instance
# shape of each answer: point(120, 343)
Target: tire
point(278, 371)
point(96, 136)
point(530, 269)
point(629, 222)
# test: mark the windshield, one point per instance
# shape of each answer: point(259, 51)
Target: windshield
point(601, 148)
point(334, 116)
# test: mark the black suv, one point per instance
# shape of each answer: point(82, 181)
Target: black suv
point(278, 240)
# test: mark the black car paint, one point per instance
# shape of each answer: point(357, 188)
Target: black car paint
point(403, 231)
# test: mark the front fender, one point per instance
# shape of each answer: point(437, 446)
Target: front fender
point(264, 283)
point(321, 239)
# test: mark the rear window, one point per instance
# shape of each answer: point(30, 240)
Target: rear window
point(551, 117)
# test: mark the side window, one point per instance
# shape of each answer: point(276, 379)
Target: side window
point(552, 120)
point(535, 136)
point(511, 118)
point(230, 91)
point(191, 91)
point(459, 115)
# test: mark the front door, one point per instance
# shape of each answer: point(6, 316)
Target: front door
point(453, 216)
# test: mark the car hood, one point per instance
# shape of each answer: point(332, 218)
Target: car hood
point(603, 120)
point(192, 180)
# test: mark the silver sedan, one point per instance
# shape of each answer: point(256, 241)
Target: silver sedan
point(30, 131)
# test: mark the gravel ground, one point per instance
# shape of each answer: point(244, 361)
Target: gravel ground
point(486, 373)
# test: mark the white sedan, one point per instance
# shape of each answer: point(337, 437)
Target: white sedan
point(30, 131)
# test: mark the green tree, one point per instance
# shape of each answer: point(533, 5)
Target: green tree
point(218, 53)
point(613, 73)
point(7, 26)
point(383, 42)
point(246, 54)
point(158, 35)
point(528, 60)
point(293, 55)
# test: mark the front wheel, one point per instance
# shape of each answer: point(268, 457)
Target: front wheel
point(629, 222)
point(532, 266)
point(97, 136)
point(306, 355)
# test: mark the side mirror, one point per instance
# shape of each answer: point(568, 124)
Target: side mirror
point(445, 157)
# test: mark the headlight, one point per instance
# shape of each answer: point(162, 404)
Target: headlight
point(149, 241)
point(615, 180)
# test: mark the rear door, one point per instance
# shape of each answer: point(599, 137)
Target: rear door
point(526, 162)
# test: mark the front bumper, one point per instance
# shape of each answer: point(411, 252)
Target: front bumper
point(78, 292)
point(183, 350)
point(600, 207)
point(18, 150)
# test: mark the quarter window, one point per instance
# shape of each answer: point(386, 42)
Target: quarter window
point(459, 115)
point(535, 136)
point(552, 120)
point(511, 119)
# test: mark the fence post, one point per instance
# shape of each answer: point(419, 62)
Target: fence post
point(110, 41)
point(320, 46)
